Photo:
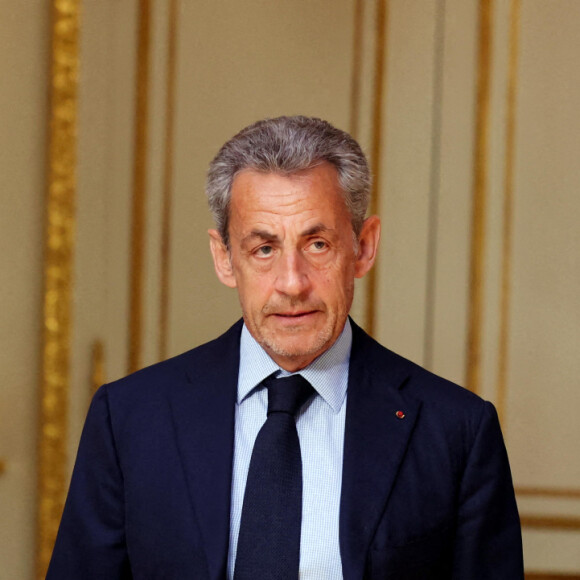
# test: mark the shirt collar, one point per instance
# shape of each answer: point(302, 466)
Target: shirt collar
point(328, 373)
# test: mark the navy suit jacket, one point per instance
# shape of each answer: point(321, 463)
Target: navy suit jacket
point(426, 492)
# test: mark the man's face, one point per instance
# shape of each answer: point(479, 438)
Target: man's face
point(293, 259)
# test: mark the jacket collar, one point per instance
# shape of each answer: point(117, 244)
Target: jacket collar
point(375, 441)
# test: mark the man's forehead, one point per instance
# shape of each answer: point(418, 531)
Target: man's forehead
point(308, 202)
point(320, 181)
point(275, 200)
point(270, 235)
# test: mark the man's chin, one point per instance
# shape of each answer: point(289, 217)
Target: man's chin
point(292, 350)
point(297, 346)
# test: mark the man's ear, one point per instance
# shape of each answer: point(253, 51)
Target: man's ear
point(221, 259)
point(368, 243)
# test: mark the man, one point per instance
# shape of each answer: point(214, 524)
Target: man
point(196, 468)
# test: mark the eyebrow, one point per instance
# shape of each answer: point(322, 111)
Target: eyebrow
point(262, 235)
point(270, 237)
point(316, 229)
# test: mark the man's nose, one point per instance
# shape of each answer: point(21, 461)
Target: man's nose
point(292, 274)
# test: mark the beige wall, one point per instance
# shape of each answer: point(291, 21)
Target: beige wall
point(543, 369)
point(278, 58)
point(23, 108)
point(237, 62)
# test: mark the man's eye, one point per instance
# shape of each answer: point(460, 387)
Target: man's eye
point(264, 250)
point(318, 245)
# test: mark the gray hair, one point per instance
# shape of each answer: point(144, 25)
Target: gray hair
point(287, 145)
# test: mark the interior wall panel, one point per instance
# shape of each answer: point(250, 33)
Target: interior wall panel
point(105, 148)
point(93, 183)
point(362, 123)
point(24, 57)
point(155, 182)
point(121, 104)
point(543, 400)
point(554, 552)
point(545, 315)
point(456, 142)
point(401, 294)
point(497, 169)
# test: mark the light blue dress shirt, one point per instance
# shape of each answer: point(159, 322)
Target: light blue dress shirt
point(320, 427)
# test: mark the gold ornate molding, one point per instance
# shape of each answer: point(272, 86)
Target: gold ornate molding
point(479, 206)
point(508, 211)
point(141, 141)
point(168, 181)
point(564, 523)
point(550, 576)
point(355, 81)
point(59, 245)
point(382, 22)
point(98, 366)
point(554, 492)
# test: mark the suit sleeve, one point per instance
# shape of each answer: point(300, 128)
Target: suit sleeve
point(488, 543)
point(91, 538)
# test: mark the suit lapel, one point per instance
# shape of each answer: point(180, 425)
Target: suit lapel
point(203, 412)
point(376, 438)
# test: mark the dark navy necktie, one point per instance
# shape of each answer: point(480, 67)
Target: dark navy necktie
point(269, 539)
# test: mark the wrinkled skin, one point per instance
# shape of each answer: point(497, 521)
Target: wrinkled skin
point(293, 259)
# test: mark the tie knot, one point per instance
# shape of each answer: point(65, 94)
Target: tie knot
point(288, 394)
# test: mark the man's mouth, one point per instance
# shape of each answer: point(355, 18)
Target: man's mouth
point(294, 316)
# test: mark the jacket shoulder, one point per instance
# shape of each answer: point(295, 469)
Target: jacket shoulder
point(408, 377)
point(192, 365)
